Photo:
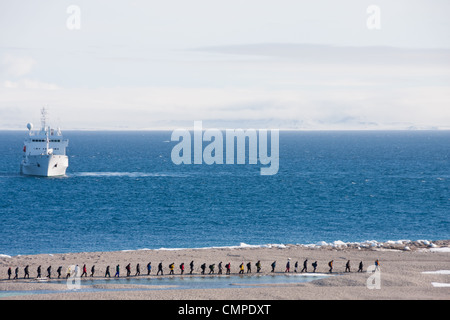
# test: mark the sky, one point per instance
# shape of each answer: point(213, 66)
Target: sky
point(286, 64)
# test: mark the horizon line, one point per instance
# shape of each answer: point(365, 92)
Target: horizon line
point(280, 129)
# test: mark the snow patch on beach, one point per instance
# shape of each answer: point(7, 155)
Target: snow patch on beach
point(405, 245)
point(437, 272)
point(443, 249)
point(401, 245)
point(242, 245)
point(440, 285)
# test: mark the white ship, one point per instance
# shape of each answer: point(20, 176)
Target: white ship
point(44, 151)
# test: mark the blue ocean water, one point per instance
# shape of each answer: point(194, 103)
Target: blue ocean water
point(122, 191)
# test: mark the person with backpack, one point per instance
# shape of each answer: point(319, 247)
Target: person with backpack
point(330, 264)
point(203, 267)
point(182, 268)
point(241, 268)
point(258, 266)
point(314, 264)
point(377, 265)
point(228, 267)
point(69, 272)
point(58, 271)
point(171, 267)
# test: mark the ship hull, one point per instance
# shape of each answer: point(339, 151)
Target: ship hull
point(45, 165)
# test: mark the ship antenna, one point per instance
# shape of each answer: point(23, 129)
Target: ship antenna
point(43, 117)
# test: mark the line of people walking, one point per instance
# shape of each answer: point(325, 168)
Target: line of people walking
point(75, 270)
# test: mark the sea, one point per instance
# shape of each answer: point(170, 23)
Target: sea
point(123, 192)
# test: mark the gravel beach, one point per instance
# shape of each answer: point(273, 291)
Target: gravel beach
point(408, 270)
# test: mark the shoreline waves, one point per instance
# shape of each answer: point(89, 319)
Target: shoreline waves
point(406, 245)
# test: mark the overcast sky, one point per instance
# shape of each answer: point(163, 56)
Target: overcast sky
point(248, 64)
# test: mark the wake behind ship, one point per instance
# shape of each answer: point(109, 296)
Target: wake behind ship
point(44, 151)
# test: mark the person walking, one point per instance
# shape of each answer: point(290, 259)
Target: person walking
point(27, 273)
point(58, 271)
point(211, 268)
point(149, 268)
point(38, 272)
point(249, 267)
point(191, 266)
point(138, 270)
point(288, 265)
point(273, 265)
point(258, 266)
point(49, 272)
point(69, 272)
point(347, 266)
point(305, 266)
point(92, 271)
point(330, 264)
point(128, 268)
point(241, 268)
point(295, 266)
point(9, 273)
point(182, 268)
point(171, 267)
point(220, 268)
point(160, 269)
point(16, 273)
point(84, 271)
point(314, 264)
point(203, 267)
point(377, 265)
point(360, 269)
point(117, 274)
point(228, 267)
point(107, 273)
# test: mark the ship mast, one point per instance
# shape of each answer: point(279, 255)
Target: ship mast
point(43, 117)
point(43, 124)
